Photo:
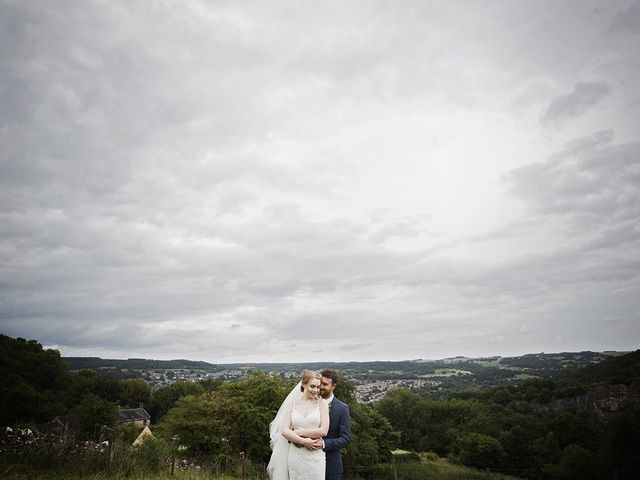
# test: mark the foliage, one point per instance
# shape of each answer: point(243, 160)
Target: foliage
point(211, 383)
point(372, 437)
point(515, 439)
point(87, 382)
point(621, 445)
point(27, 454)
point(135, 393)
point(623, 369)
point(125, 433)
point(430, 425)
point(345, 390)
point(166, 397)
point(403, 456)
point(32, 377)
point(230, 419)
point(93, 416)
point(480, 451)
point(576, 463)
point(27, 450)
point(152, 454)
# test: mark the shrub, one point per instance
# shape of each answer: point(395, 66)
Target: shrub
point(480, 451)
point(406, 457)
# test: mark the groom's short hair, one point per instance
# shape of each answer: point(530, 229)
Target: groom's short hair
point(330, 373)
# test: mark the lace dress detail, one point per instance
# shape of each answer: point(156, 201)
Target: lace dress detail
point(306, 464)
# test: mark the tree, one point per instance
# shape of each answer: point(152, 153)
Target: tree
point(372, 438)
point(480, 451)
point(211, 383)
point(520, 438)
point(200, 423)
point(166, 397)
point(30, 376)
point(576, 463)
point(233, 418)
point(402, 409)
point(345, 390)
point(93, 414)
point(134, 393)
point(622, 444)
point(108, 388)
point(426, 424)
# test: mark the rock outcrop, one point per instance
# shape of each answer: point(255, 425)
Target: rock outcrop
point(602, 401)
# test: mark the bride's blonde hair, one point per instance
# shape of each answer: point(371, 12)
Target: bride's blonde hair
point(308, 375)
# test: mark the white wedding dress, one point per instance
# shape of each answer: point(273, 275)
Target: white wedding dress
point(305, 464)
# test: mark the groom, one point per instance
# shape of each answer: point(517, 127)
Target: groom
point(339, 434)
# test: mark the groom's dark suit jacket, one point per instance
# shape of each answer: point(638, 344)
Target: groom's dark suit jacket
point(338, 437)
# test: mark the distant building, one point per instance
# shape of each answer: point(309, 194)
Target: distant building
point(136, 416)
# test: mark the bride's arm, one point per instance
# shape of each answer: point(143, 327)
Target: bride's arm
point(322, 430)
point(289, 434)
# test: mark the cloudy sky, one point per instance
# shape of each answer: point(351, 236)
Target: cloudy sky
point(320, 181)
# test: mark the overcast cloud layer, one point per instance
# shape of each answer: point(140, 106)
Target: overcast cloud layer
point(320, 181)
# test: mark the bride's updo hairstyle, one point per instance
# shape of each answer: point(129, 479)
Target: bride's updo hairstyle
point(308, 375)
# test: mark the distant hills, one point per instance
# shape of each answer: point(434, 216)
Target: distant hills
point(533, 361)
point(595, 382)
point(96, 363)
point(458, 373)
point(619, 369)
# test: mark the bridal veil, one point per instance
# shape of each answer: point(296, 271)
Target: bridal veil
point(278, 469)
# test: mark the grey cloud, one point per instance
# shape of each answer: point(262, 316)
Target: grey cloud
point(626, 233)
point(587, 193)
point(568, 270)
point(583, 97)
point(584, 144)
point(590, 178)
point(196, 171)
point(405, 227)
point(627, 20)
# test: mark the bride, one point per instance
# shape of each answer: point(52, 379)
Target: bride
point(302, 418)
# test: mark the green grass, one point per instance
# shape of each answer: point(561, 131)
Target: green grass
point(429, 467)
point(524, 376)
point(106, 476)
point(442, 469)
point(426, 466)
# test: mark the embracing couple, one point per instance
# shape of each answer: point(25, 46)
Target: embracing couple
point(311, 427)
